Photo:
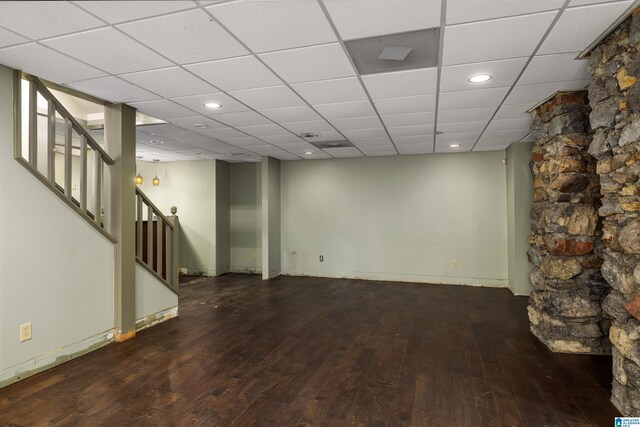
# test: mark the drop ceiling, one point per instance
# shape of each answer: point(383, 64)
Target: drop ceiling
point(281, 68)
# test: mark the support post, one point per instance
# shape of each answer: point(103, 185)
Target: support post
point(120, 140)
point(173, 264)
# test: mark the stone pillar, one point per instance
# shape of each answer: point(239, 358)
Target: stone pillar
point(568, 288)
point(615, 99)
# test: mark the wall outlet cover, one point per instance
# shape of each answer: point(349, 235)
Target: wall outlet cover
point(25, 332)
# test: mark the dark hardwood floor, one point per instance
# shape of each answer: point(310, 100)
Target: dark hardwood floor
point(324, 352)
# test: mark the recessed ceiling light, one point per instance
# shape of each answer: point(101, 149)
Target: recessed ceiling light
point(480, 78)
point(454, 145)
point(156, 141)
point(308, 153)
point(199, 126)
point(212, 105)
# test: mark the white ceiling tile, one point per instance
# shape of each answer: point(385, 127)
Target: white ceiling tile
point(534, 93)
point(236, 73)
point(317, 154)
point(344, 110)
point(501, 135)
point(291, 114)
point(41, 19)
point(578, 27)
point(169, 82)
point(374, 143)
point(357, 123)
point(115, 12)
point(190, 122)
point(310, 63)
point(496, 39)
point(222, 133)
point(244, 141)
point(43, 62)
point(364, 18)
point(503, 73)
point(285, 140)
point(359, 134)
point(510, 124)
point(268, 97)
point(416, 149)
point(382, 151)
point(459, 11)
point(405, 105)
point(7, 38)
point(315, 126)
point(343, 152)
point(463, 127)
point(515, 111)
point(113, 89)
point(412, 119)
point(575, 3)
point(426, 139)
point(555, 68)
point(411, 130)
point(491, 97)
point(457, 137)
point(196, 103)
point(296, 23)
point(185, 37)
point(241, 118)
point(163, 109)
point(464, 148)
point(110, 50)
point(331, 91)
point(264, 130)
point(402, 83)
point(466, 115)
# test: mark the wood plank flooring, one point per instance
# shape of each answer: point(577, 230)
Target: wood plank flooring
point(324, 352)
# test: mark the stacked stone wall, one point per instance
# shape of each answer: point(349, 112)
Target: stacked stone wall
point(568, 288)
point(614, 94)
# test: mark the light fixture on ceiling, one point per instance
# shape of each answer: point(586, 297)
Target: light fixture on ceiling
point(454, 145)
point(200, 126)
point(480, 78)
point(156, 180)
point(212, 105)
point(308, 153)
point(139, 179)
point(334, 143)
point(156, 141)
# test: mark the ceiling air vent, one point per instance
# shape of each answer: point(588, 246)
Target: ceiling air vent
point(332, 144)
point(395, 52)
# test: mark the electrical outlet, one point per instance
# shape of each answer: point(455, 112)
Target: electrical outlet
point(25, 332)
point(454, 263)
point(253, 254)
point(321, 258)
point(73, 186)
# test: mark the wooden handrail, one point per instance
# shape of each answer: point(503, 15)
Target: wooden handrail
point(44, 91)
point(156, 210)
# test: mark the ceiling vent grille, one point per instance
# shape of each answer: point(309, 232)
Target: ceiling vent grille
point(332, 144)
point(395, 52)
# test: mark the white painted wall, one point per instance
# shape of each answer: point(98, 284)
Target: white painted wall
point(223, 220)
point(519, 203)
point(152, 297)
point(56, 271)
point(397, 218)
point(190, 186)
point(246, 218)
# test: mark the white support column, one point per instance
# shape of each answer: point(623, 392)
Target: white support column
point(271, 266)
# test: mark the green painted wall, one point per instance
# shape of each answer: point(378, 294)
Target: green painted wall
point(519, 203)
point(397, 218)
point(246, 218)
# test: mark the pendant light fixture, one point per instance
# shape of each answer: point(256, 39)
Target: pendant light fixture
point(156, 180)
point(139, 178)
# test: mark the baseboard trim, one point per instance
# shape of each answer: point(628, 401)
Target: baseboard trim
point(55, 357)
point(156, 318)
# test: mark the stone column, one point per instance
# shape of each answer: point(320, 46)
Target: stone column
point(568, 288)
point(615, 98)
